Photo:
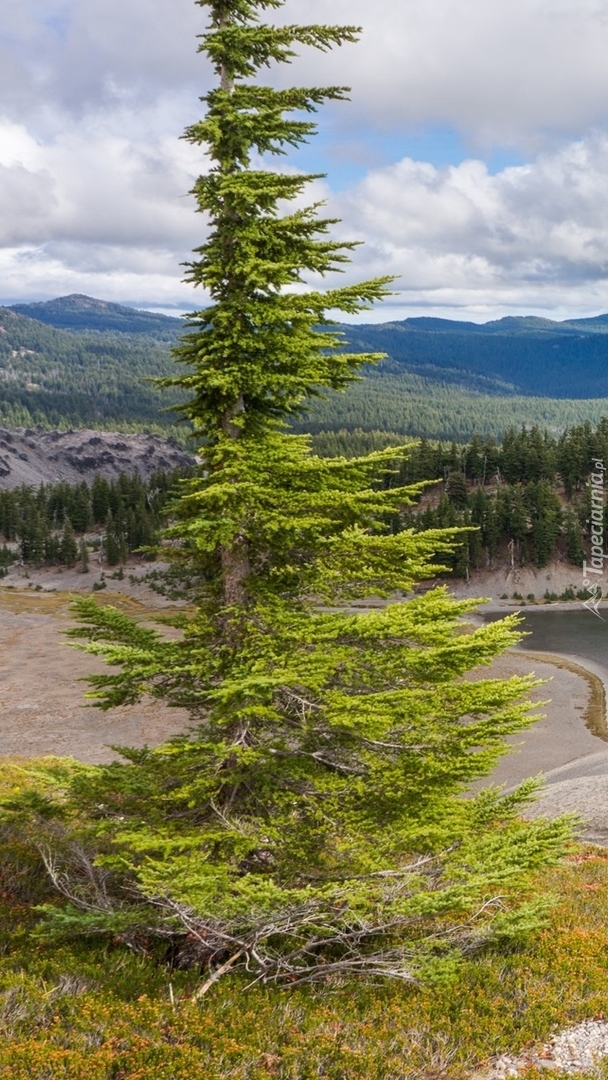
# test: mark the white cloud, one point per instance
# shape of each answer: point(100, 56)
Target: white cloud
point(93, 176)
point(99, 200)
point(514, 73)
point(532, 237)
point(500, 73)
point(74, 55)
point(123, 192)
point(146, 278)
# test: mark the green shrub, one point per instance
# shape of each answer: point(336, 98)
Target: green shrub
point(78, 1012)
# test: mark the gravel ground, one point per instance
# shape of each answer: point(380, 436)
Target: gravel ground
point(42, 704)
point(576, 1050)
point(42, 708)
point(33, 456)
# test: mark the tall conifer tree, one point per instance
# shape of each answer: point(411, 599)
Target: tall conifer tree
point(313, 819)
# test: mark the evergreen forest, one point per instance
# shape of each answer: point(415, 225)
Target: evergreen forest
point(79, 362)
point(40, 527)
point(521, 355)
point(528, 499)
point(85, 378)
point(310, 824)
point(524, 500)
point(436, 408)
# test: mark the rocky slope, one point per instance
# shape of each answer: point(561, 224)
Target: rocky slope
point(33, 456)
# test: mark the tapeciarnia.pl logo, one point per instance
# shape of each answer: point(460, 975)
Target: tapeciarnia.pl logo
point(593, 571)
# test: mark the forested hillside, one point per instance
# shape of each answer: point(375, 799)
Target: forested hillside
point(81, 362)
point(63, 378)
point(407, 404)
point(78, 312)
point(526, 356)
point(528, 499)
point(531, 356)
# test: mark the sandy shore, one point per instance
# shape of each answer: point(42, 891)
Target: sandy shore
point(43, 709)
point(507, 607)
point(570, 724)
point(42, 705)
point(568, 747)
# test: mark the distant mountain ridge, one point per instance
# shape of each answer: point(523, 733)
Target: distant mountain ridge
point(523, 355)
point(79, 312)
point(509, 323)
point(84, 362)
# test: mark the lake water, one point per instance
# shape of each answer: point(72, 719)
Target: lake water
point(578, 632)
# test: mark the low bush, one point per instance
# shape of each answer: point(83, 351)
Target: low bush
point(79, 1011)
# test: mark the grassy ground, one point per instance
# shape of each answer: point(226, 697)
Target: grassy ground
point(97, 1012)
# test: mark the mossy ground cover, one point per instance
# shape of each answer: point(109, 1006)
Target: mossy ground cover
point(93, 1010)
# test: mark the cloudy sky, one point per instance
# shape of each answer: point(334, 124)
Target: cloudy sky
point(472, 160)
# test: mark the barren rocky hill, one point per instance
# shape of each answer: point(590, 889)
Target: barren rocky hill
point(33, 456)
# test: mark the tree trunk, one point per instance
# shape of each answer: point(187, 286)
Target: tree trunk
point(235, 558)
point(235, 570)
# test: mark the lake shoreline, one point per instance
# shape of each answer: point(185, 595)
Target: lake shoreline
point(509, 607)
point(594, 674)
